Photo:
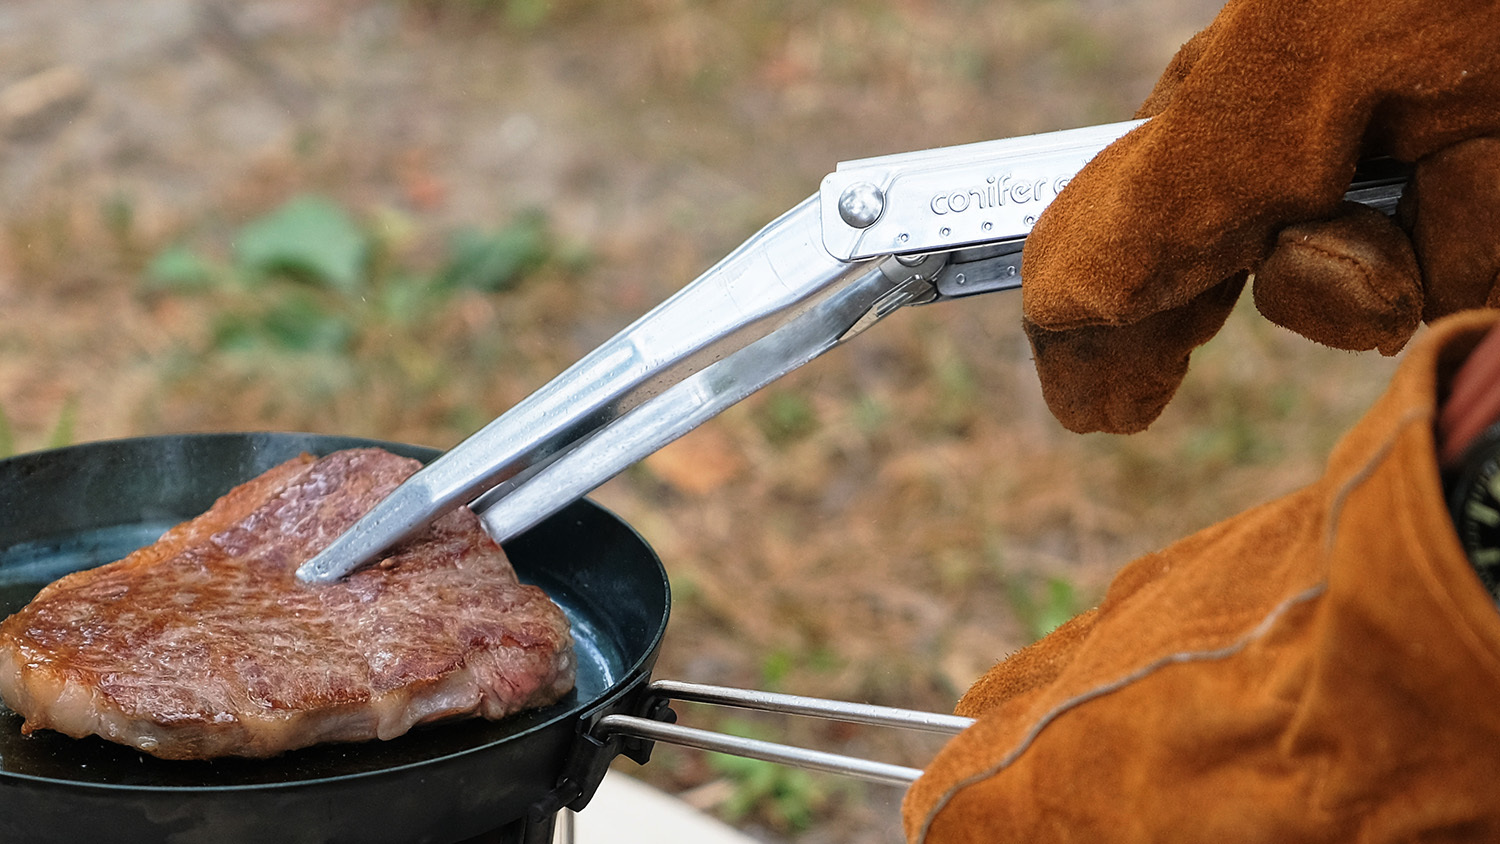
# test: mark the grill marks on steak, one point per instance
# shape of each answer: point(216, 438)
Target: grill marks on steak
point(205, 644)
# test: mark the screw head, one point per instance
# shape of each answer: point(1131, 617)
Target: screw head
point(861, 205)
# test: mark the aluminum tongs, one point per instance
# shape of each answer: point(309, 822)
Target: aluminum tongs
point(881, 233)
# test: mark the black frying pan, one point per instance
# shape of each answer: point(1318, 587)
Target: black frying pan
point(77, 507)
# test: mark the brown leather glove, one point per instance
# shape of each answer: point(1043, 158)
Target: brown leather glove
point(1322, 668)
point(1257, 126)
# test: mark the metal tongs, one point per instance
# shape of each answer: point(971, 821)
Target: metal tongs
point(881, 234)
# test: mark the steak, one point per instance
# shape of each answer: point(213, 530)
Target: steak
point(205, 644)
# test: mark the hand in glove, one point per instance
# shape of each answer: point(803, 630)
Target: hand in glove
point(1256, 129)
point(1321, 668)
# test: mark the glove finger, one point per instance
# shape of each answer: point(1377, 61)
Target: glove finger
point(1118, 378)
point(1452, 209)
point(1350, 282)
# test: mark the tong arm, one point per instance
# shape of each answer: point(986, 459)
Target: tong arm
point(768, 281)
point(766, 284)
point(867, 293)
point(943, 199)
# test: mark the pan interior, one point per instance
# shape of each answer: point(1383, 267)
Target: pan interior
point(582, 558)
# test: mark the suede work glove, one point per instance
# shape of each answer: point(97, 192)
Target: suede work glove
point(1321, 668)
point(1256, 128)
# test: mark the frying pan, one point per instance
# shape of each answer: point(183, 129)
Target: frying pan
point(77, 507)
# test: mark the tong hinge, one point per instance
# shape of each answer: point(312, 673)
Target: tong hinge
point(915, 280)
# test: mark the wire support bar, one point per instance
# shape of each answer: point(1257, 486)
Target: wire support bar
point(797, 757)
point(856, 713)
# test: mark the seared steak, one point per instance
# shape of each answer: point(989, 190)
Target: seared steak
point(205, 644)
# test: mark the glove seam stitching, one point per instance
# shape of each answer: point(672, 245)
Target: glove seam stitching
point(1263, 627)
point(1364, 270)
point(1366, 470)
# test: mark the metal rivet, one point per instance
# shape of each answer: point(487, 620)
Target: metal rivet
point(861, 205)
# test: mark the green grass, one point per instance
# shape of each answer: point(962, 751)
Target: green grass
point(785, 798)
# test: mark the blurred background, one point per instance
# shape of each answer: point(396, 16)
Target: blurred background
point(396, 218)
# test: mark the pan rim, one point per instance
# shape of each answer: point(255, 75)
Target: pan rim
point(642, 653)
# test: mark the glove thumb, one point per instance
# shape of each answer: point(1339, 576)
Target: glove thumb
point(1350, 282)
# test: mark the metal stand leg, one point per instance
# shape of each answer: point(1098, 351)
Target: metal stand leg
point(563, 830)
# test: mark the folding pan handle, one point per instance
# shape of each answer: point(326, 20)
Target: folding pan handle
point(815, 760)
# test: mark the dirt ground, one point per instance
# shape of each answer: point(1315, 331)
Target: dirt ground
point(881, 526)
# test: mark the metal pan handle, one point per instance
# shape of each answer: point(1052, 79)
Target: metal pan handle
point(798, 757)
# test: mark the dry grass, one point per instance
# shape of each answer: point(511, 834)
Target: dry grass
point(881, 526)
